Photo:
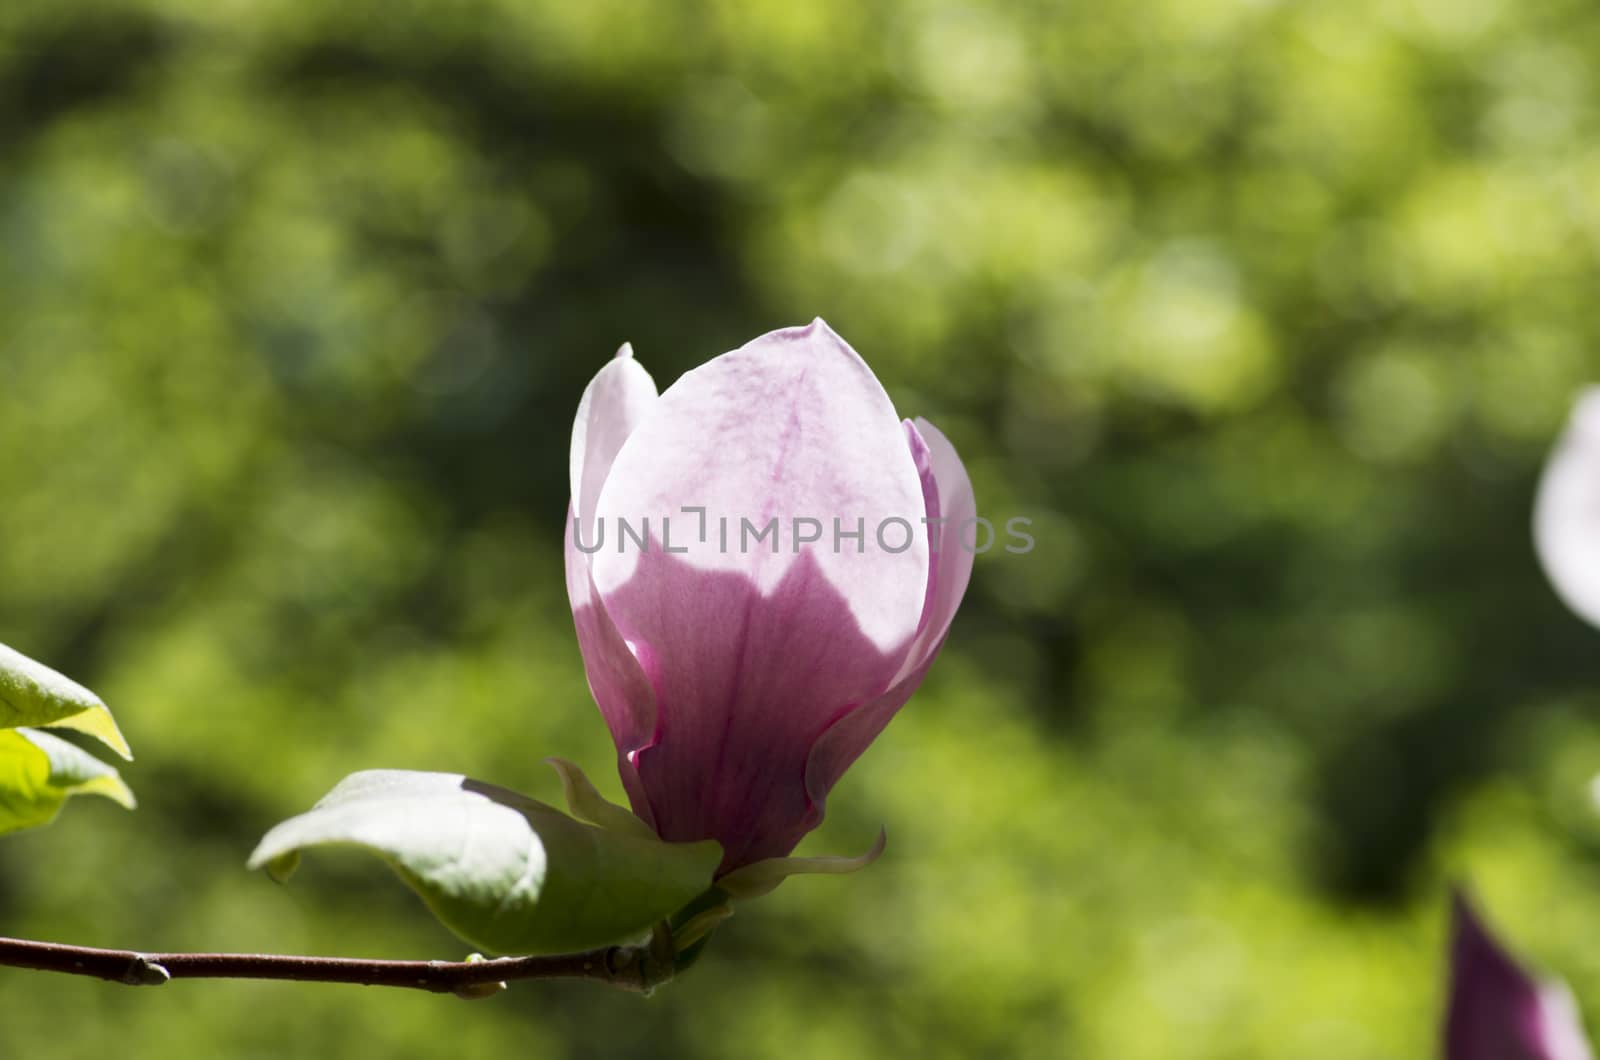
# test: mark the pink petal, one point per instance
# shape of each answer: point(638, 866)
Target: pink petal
point(791, 425)
point(1498, 1012)
point(746, 682)
point(955, 548)
point(951, 504)
point(614, 402)
point(616, 680)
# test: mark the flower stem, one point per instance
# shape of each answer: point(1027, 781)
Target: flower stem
point(635, 968)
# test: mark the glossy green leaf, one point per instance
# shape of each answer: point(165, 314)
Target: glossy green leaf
point(33, 694)
point(39, 771)
point(506, 873)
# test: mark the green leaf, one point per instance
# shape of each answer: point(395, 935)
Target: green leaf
point(506, 873)
point(39, 771)
point(33, 694)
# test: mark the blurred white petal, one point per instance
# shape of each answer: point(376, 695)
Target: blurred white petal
point(1566, 520)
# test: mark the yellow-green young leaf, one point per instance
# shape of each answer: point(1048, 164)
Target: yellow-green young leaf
point(39, 771)
point(763, 877)
point(506, 873)
point(587, 804)
point(33, 694)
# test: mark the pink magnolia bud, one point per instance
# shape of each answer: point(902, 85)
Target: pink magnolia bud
point(1499, 1012)
point(762, 562)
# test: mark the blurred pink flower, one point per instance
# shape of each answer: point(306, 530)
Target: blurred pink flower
point(755, 585)
point(1497, 1011)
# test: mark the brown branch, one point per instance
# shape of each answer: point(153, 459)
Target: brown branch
point(636, 968)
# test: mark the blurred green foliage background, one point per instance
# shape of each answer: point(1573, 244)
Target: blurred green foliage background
point(1264, 312)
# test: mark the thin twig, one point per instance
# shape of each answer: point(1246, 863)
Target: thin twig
point(634, 968)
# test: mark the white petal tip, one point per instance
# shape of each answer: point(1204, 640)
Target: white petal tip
point(625, 352)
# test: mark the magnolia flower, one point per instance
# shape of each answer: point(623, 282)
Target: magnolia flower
point(762, 563)
point(1498, 1012)
point(1566, 519)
